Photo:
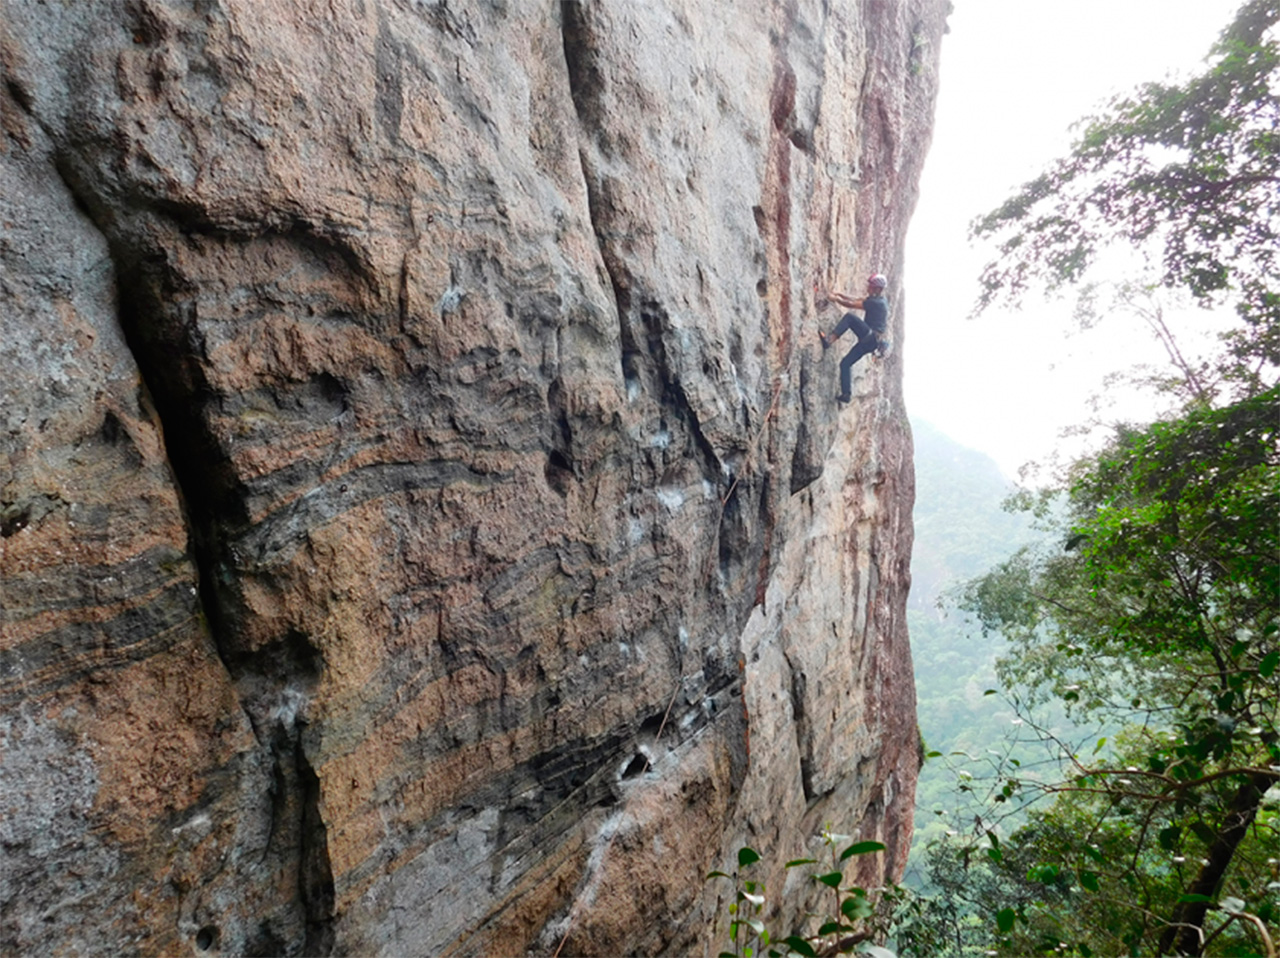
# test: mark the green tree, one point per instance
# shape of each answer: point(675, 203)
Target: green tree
point(1160, 618)
point(1156, 619)
point(1187, 173)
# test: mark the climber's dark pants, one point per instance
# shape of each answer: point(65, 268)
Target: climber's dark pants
point(868, 340)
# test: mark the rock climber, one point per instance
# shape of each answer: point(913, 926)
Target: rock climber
point(870, 332)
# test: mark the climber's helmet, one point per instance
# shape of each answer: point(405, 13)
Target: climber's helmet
point(877, 281)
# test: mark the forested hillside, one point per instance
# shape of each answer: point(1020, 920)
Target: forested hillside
point(961, 532)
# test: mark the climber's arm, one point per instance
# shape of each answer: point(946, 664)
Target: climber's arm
point(847, 302)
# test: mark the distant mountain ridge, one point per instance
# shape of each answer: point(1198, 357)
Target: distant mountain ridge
point(961, 528)
point(961, 531)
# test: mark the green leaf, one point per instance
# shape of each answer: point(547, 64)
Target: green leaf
point(855, 907)
point(991, 692)
point(1089, 880)
point(1004, 920)
point(711, 875)
point(1204, 833)
point(1102, 743)
point(800, 861)
point(1267, 667)
point(831, 927)
point(1205, 899)
point(861, 848)
point(831, 879)
point(747, 856)
point(1168, 837)
point(800, 946)
point(994, 852)
point(1044, 874)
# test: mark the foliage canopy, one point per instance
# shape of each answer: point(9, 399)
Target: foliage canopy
point(1189, 172)
point(1157, 616)
point(1160, 620)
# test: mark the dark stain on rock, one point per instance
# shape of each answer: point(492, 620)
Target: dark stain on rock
point(389, 102)
point(782, 99)
point(315, 876)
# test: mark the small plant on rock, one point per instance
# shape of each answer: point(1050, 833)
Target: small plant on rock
point(843, 931)
point(746, 929)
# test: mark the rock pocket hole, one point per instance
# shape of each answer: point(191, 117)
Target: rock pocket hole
point(636, 766)
point(207, 938)
point(558, 472)
point(14, 519)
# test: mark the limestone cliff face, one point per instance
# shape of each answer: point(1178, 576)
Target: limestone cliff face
point(427, 525)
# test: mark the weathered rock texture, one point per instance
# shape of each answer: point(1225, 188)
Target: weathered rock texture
point(427, 525)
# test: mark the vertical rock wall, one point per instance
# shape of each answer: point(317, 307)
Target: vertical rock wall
point(427, 525)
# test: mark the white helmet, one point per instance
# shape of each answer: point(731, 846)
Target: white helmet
point(877, 281)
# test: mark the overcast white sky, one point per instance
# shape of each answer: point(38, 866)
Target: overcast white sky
point(1015, 75)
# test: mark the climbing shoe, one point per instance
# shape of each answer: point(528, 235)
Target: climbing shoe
point(842, 398)
point(822, 338)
